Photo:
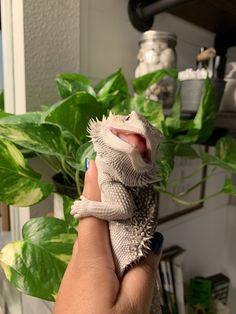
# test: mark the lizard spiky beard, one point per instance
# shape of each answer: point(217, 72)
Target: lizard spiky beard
point(130, 141)
point(126, 148)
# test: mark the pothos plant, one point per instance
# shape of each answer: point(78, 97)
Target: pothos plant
point(35, 265)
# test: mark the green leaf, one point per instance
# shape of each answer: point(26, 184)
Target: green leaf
point(215, 161)
point(112, 100)
point(225, 155)
point(36, 265)
point(123, 107)
point(70, 83)
point(142, 83)
point(229, 187)
point(150, 109)
point(1, 100)
point(42, 138)
point(174, 125)
point(226, 150)
point(186, 150)
point(4, 114)
point(19, 184)
point(46, 228)
point(112, 90)
point(165, 161)
point(114, 82)
point(71, 144)
point(85, 151)
point(29, 117)
point(74, 113)
point(204, 121)
point(173, 122)
point(71, 222)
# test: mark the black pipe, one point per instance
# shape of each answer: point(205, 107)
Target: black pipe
point(142, 12)
point(152, 9)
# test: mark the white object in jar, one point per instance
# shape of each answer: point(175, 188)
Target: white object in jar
point(157, 51)
point(167, 58)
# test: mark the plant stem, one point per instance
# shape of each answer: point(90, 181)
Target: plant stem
point(177, 182)
point(77, 181)
point(183, 202)
point(197, 184)
point(65, 170)
point(70, 172)
point(48, 161)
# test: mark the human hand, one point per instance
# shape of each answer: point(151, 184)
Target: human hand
point(90, 284)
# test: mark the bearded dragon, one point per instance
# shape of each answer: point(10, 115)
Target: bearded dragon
point(126, 148)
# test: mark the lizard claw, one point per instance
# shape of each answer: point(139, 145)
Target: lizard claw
point(79, 208)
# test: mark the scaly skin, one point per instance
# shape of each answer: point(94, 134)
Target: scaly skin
point(130, 239)
point(126, 164)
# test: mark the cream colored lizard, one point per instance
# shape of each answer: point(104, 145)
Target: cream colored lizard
point(126, 148)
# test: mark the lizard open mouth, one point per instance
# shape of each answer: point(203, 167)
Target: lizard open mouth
point(136, 140)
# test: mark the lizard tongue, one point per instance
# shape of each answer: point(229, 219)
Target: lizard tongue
point(135, 140)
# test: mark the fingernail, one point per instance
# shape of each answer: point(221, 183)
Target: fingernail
point(86, 164)
point(156, 243)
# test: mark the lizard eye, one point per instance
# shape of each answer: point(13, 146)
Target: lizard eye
point(127, 118)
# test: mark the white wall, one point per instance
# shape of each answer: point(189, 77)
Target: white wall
point(51, 36)
point(51, 45)
point(41, 39)
point(108, 42)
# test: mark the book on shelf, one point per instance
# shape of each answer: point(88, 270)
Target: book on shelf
point(208, 293)
point(165, 288)
point(200, 296)
point(171, 278)
point(220, 287)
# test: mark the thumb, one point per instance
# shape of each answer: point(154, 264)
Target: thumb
point(91, 189)
point(138, 283)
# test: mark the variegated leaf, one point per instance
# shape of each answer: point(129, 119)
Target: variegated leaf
point(74, 112)
point(19, 184)
point(42, 138)
point(36, 264)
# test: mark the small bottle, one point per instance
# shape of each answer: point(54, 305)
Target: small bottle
point(156, 52)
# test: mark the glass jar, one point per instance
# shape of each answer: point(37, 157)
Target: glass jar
point(157, 51)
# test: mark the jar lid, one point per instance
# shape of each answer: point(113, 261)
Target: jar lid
point(158, 35)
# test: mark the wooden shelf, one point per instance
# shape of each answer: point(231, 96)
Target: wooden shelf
point(225, 124)
point(226, 120)
point(218, 16)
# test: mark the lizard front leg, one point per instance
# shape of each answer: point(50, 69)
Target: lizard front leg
point(116, 204)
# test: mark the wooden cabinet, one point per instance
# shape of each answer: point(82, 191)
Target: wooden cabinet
point(218, 16)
